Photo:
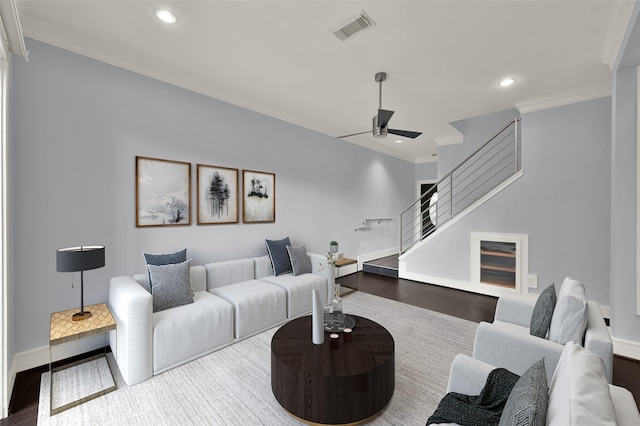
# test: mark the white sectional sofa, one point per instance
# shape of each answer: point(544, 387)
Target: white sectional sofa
point(232, 301)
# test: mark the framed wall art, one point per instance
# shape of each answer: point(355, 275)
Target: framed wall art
point(217, 189)
point(163, 192)
point(258, 196)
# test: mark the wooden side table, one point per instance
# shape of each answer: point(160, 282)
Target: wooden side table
point(343, 268)
point(63, 329)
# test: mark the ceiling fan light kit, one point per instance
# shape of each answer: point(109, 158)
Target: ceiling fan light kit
point(380, 121)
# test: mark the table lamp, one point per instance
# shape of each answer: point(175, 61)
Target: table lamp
point(83, 258)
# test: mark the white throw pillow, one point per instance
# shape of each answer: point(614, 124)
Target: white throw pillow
point(569, 320)
point(579, 392)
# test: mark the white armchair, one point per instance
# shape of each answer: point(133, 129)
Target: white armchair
point(507, 342)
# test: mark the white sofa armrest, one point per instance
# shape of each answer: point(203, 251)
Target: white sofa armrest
point(597, 338)
point(625, 406)
point(515, 310)
point(320, 266)
point(512, 347)
point(132, 307)
point(468, 376)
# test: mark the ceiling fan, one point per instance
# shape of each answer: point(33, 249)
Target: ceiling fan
point(381, 120)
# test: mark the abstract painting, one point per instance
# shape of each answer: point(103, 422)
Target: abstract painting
point(259, 196)
point(163, 192)
point(217, 194)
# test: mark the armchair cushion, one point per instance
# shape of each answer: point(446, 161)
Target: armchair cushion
point(527, 403)
point(579, 392)
point(542, 312)
point(570, 315)
point(512, 347)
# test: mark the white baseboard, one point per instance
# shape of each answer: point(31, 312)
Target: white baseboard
point(376, 255)
point(626, 348)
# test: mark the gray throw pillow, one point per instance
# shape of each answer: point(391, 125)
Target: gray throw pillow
point(543, 312)
point(279, 255)
point(163, 259)
point(299, 260)
point(528, 400)
point(171, 285)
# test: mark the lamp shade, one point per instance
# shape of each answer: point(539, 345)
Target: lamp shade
point(82, 258)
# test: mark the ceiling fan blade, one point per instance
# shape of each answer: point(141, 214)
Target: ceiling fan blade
point(405, 133)
point(353, 134)
point(383, 117)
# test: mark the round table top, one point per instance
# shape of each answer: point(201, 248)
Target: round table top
point(372, 346)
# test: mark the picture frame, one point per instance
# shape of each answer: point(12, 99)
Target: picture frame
point(258, 197)
point(163, 192)
point(217, 199)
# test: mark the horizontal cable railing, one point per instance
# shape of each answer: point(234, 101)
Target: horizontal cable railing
point(482, 171)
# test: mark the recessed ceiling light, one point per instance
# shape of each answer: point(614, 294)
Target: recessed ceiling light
point(166, 16)
point(507, 82)
point(398, 141)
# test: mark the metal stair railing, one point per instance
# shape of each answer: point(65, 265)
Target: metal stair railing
point(482, 171)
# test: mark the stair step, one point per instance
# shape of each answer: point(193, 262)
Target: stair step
point(387, 266)
point(380, 270)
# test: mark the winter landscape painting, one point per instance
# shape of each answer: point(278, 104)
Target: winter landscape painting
point(217, 194)
point(259, 196)
point(163, 192)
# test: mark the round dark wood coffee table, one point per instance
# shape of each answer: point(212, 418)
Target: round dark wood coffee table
point(318, 384)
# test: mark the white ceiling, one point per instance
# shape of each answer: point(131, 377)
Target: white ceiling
point(443, 58)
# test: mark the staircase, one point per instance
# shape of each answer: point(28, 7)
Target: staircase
point(473, 181)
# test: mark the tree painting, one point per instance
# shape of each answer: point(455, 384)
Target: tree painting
point(259, 204)
point(217, 195)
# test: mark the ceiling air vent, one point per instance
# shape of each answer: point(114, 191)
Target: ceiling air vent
point(354, 26)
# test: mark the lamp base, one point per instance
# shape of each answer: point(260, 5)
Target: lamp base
point(80, 316)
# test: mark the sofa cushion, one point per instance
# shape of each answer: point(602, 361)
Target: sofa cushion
point(300, 263)
point(569, 319)
point(220, 274)
point(543, 312)
point(163, 259)
point(279, 256)
point(190, 331)
point(257, 305)
point(527, 402)
point(299, 289)
point(579, 392)
point(171, 285)
point(262, 266)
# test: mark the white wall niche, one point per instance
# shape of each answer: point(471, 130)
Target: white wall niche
point(521, 259)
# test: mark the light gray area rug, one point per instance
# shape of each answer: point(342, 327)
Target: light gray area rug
point(233, 386)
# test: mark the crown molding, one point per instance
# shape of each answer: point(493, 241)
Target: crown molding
point(12, 28)
point(426, 159)
point(450, 140)
point(567, 97)
point(617, 33)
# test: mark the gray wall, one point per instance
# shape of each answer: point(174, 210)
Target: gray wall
point(565, 158)
point(77, 125)
point(476, 132)
point(624, 321)
point(426, 171)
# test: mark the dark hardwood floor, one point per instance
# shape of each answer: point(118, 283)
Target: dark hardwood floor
point(24, 402)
